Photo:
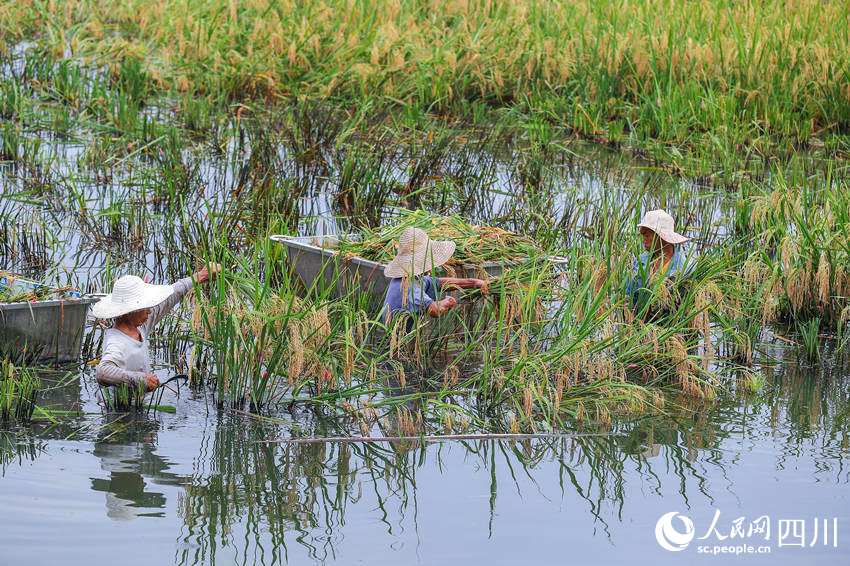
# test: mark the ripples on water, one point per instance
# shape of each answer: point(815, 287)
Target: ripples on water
point(195, 487)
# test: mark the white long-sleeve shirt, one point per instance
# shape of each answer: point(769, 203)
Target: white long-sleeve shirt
point(127, 360)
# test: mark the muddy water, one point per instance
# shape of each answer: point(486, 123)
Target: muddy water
point(196, 486)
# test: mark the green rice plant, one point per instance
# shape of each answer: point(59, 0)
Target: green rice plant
point(123, 397)
point(19, 388)
point(262, 339)
point(805, 235)
point(68, 83)
point(12, 99)
point(245, 171)
point(811, 339)
point(366, 185)
point(11, 138)
point(684, 320)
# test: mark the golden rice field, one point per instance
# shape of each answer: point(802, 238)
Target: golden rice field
point(747, 72)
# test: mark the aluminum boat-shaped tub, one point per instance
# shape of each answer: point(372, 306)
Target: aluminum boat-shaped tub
point(43, 331)
point(318, 264)
point(47, 331)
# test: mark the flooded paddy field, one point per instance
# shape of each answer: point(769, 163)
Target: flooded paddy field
point(729, 409)
point(200, 487)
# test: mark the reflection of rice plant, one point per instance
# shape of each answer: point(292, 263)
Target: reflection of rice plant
point(15, 449)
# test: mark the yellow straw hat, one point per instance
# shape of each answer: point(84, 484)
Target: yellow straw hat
point(662, 224)
point(417, 253)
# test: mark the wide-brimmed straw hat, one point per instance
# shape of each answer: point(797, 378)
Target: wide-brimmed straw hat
point(130, 294)
point(662, 224)
point(417, 253)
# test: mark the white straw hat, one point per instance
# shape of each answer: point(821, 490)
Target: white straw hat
point(130, 294)
point(662, 224)
point(417, 253)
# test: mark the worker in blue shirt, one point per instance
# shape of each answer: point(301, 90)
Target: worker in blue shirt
point(662, 257)
point(413, 287)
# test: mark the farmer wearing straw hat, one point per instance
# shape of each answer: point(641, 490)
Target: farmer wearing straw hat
point(662, 256)
point(136, 307)
point(412, 287)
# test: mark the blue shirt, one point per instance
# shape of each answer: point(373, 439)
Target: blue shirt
point(640, 268)
point(421, 292)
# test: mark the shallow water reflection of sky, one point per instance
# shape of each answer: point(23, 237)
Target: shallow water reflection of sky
point(195, 488)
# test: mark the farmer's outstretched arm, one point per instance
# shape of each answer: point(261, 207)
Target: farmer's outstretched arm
point(180, 289)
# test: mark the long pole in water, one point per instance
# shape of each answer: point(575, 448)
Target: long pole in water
point(427, 438)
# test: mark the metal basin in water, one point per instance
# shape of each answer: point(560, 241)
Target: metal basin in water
point(318, 264)
point(48, 331)
point(43, 331)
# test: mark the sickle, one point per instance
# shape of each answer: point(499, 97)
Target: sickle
point(182, 376)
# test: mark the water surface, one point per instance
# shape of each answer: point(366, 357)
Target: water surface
point(195, 487)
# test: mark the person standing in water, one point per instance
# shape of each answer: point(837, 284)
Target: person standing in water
point(136, 307)
point(413, 287)
point(662, 257)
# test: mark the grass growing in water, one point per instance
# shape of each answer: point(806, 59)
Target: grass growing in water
point(18, 390)
point(536, 354)
point(138, 169)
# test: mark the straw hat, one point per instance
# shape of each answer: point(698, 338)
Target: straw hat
point(417, 253)
point(662, 224)
point(130, 294)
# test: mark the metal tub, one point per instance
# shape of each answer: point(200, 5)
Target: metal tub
point(319, 265)
point(43, 331)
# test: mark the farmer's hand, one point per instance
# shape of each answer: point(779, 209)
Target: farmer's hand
point(207, 272)
point(482, 286)
point(436, 309)
point(151, 382)
point(447, 304)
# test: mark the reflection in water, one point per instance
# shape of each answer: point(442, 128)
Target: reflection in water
point(267, 499)
point(134, 468)
point(15, 450)
point(280, 494)
point(247, 502)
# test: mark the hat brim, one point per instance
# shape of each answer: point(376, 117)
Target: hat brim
point(152, 296)
point(438, 253)
point(668, 236)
